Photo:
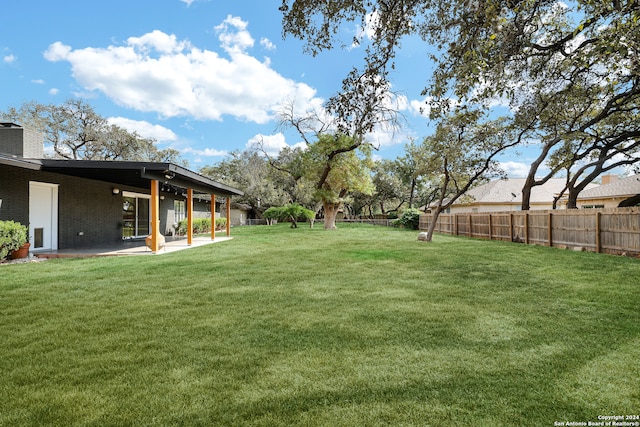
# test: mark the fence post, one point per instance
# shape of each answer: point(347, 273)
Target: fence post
point(526, 228)
point(598, 229)
point(470, 226)
point(456, 224)
point(511, 227)
point(550, 230)
point(490, 229)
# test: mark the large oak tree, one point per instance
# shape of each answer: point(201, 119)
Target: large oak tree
point(564, 69)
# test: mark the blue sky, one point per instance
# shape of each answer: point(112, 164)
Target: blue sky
point(202, 76)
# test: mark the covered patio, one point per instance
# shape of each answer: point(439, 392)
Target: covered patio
point(159, 179)
point(138, 247)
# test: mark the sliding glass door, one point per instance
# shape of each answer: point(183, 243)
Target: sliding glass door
point(136, 215)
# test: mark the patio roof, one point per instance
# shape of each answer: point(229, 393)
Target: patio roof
point(11, 160)
point(138, 174)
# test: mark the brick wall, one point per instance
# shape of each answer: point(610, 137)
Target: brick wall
point(88, 213)
point(14, 185)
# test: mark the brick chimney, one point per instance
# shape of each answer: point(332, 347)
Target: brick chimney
point(608, 179)
point(18, 141)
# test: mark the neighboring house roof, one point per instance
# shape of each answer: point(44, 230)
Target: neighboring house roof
point(241, 206)
point(622, 187)
point(510, 191)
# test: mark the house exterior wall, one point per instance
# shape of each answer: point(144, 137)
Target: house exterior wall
point(201, 209)
point(88, 214)
point(14, 185)
point(609, 202)
point(238, 217)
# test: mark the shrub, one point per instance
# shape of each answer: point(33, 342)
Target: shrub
point(292, 212)
point(409, 219)
point(12, 236)
point(273, 213)
point(221, 223)
point(200, 225)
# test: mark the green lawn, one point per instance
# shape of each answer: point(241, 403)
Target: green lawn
point(363, 326)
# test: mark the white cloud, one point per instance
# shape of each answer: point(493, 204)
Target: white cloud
point(207, 152)
point(422, 107)
point(144, 129)
point(57, 52)
point(54, 91)
point(267, 44)
point(38, 81)
point(158, 41)
point(272, 144)
point(515, 169)
point(157, 72)
point(9, 59)
point(233, 35)
point(419, 108)
point(372, 21)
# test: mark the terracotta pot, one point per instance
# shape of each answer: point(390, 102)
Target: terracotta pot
point(23, 252)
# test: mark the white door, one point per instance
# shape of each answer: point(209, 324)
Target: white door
point(43, 216)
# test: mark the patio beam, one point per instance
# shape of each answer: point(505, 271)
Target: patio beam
point(228, 216)
point(190, 216)
point(213, 217)
point(155, 217)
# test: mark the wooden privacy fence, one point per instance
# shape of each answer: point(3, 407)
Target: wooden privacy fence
point(613, 231)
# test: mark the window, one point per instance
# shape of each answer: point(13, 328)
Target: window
point(179, 209)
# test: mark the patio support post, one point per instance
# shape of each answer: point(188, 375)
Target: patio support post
point(189, 216)
point(155, 217)
point(228, 216)
point(213, 217)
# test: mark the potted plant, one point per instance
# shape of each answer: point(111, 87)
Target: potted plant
point(14, 240)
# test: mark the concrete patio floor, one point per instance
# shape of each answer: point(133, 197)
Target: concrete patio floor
point(137, 247)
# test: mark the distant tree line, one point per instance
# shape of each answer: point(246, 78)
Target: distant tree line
point(75, 131)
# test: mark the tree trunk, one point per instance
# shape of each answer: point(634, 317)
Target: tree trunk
point(432, 224)
point(330, 213)
point(526, 192)
point(411, 194)
point(572, 201)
